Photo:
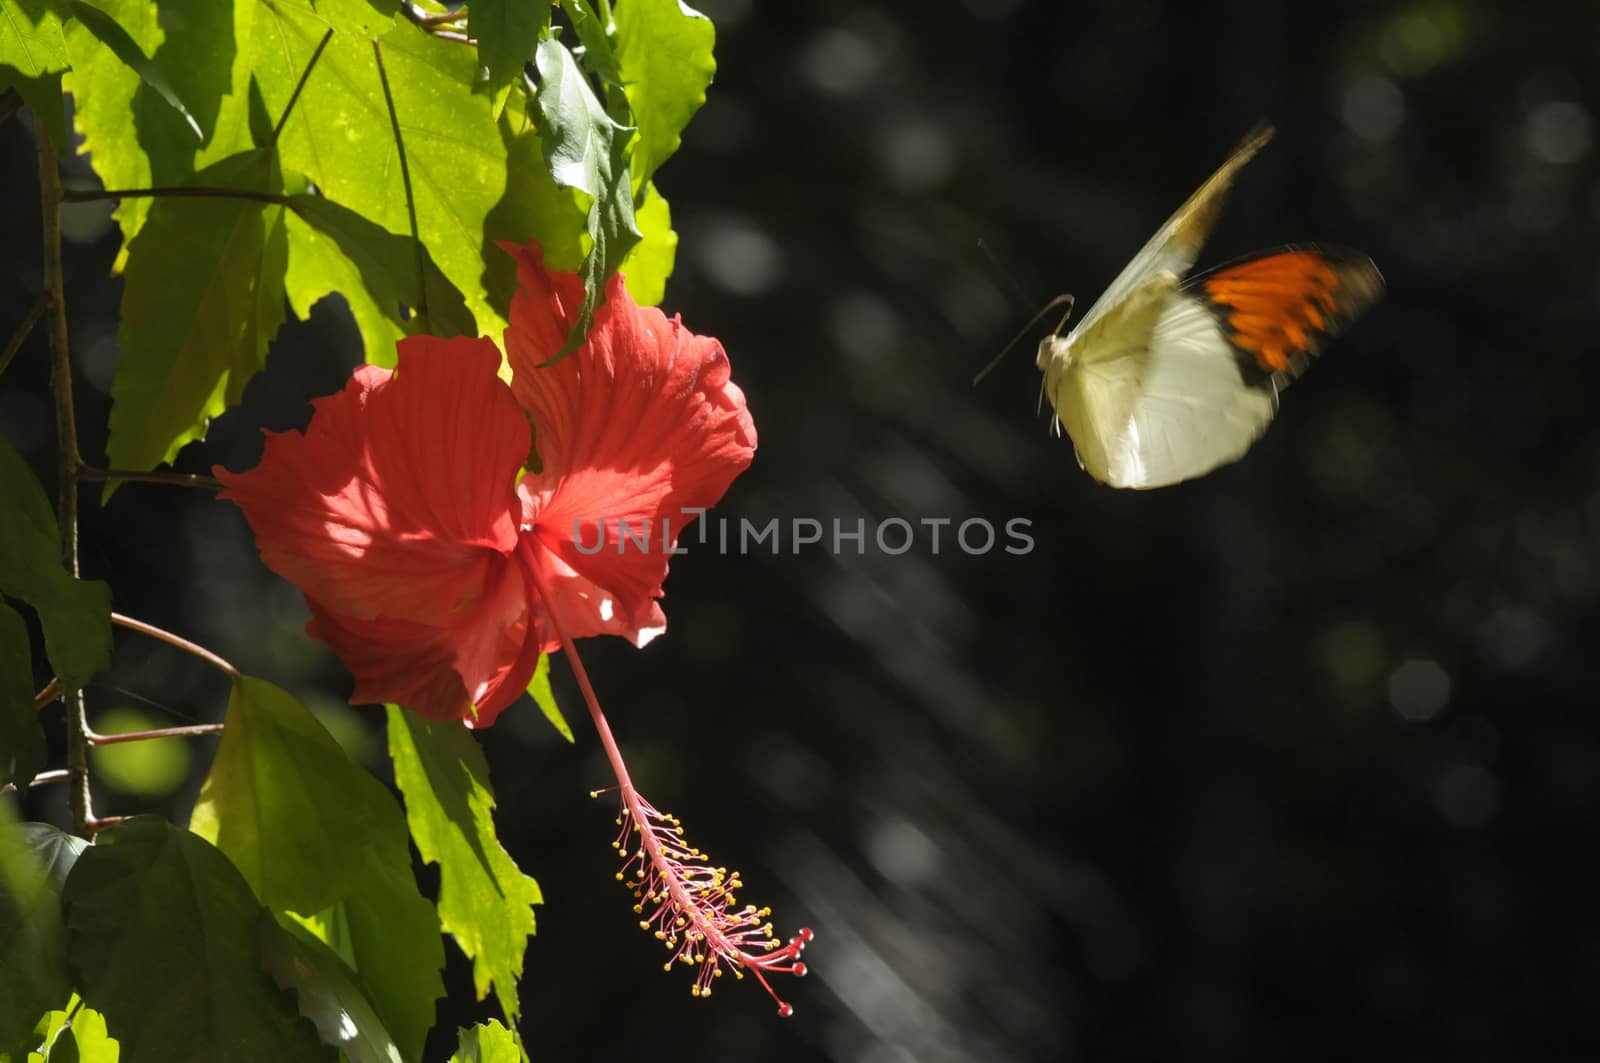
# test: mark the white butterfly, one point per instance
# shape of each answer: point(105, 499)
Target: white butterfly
point(1166, 378)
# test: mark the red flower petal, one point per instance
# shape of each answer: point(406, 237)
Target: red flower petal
point(642, 424)
point(396, 513)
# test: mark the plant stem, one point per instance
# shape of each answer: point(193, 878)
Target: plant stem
point(178, 641)
point(95, 195)
point(51, 691)
point(188, 731)
point(305, 75)
point(38, 780)
point(174, 479)
point(19, 337)
point(411, 199)
point(51, 197)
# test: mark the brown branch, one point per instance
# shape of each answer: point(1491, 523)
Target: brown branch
point(97, 739)
point(173, 479)
point(175, 640)
point(51, 691)
point(51, 197)
point(95, 195)
point(19, 337)
point(38, 780)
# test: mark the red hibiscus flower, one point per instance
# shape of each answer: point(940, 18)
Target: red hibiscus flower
point(429, 568)
point(439, 577)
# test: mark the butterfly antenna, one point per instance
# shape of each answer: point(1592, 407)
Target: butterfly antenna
point(1051, 305)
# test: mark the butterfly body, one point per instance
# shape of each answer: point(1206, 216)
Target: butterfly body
point(1166, 377)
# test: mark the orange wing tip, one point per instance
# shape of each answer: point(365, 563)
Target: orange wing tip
point(1281, 308)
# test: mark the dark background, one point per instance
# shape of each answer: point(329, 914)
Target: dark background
point(1297, 760)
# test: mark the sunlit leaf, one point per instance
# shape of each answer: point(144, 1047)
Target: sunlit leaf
point(162, 933)
point(390, 266)
point(664, 50)
point(30, 37)
point(545, 698)
point(588, 151)
point(75, 614)
point(485, 901)
point(318, 269)
point(649, 264)
point(33, 961)
point(316, 834)
point(328, 992)
point(487, 1042)
point(111, 34)
point(135, 139)
point(204, 297)
point(89, 1040)
point(507, 31)
point(532, 208)
point(22, 748)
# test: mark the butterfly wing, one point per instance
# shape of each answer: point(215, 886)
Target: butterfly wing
point(1177, 244)
point(1179, 378)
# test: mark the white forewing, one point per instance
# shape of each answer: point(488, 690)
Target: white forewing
point(1151, 392)
point(1177, 243)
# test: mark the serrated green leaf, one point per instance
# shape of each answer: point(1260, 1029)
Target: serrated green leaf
point(649, 264)
point(203, 298)
point(75, 613)
point(317, 269)
point(485, 901)
point(340, 137)
point(205, 50)
point(22, 748)
point(31, 41)
point(487, 1042)
point(161, 931)
point(286, 803)
point(390, 267)
point(664, 49)
point(33, 958)
point(588, 151)
point(545, 698)
point(507, 32)
point(328, 992)
point(111, 34)
point(89, 1039)
point(361, 18)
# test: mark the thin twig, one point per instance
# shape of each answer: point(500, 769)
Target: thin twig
point(175, 640)
point(173, 479)
point(95, 195)
point(434, 24)
point(19, 337)
point(51, 198)
point(411, 200)
point(38, 780)
point(98, 825)
point(305, 75)
point(51, 691)
point(187, 731)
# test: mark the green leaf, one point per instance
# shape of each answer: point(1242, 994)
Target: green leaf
point(389, 266)
point(161, 932)
point(111, 34)
point(340, 137)
point(545, 698)
point(311, 831)
point(22, 748)
point(33, 960)
point(329, 993)
point(205, 51)
point(487, 1042)
point(75, 614)
point(317, 269)
point(649, 264)
point(507, 32)
point(31, 41)
point(204, 296)
point(485, 901)
point(588, 151)
point(43, 97)
point(664, 50)
point(86, 1033)
point(533, 207)
point(55, 850)
point(285, 802)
